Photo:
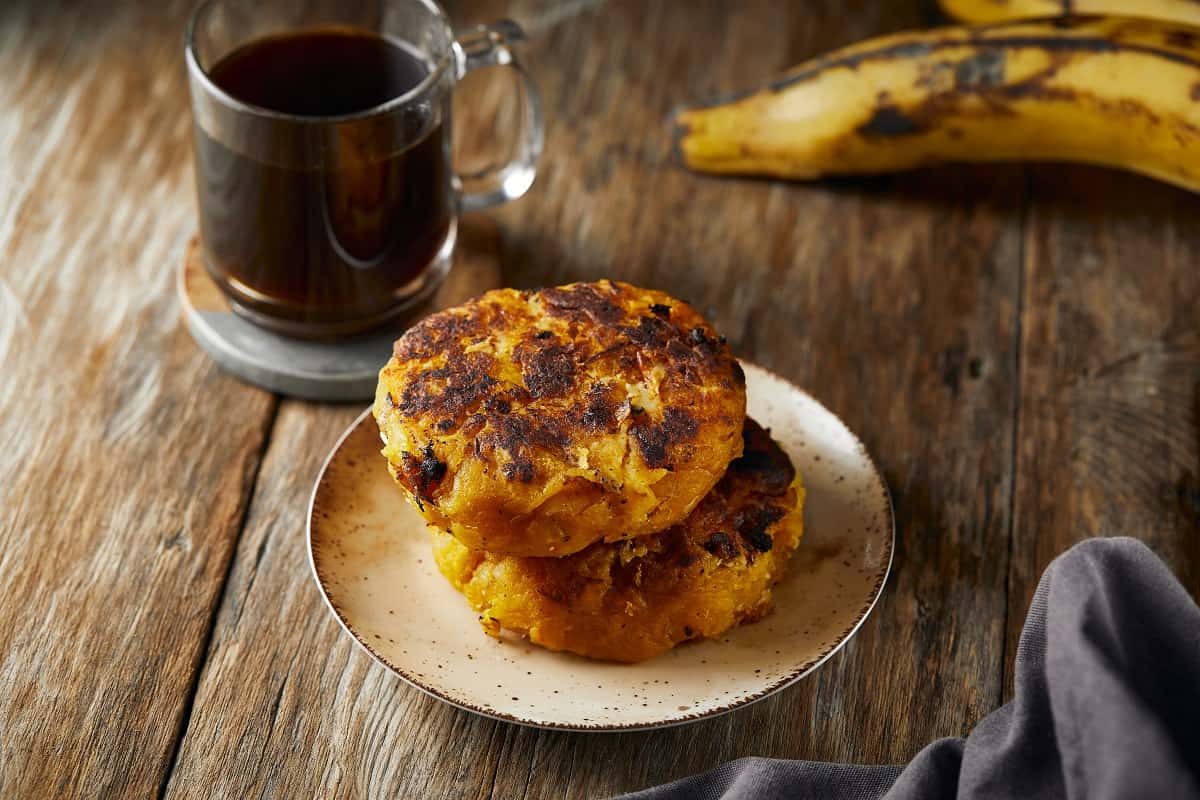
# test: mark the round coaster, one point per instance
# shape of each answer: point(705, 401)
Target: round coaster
point(346, 369)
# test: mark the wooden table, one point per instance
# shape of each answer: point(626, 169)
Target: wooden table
point(1018, 346)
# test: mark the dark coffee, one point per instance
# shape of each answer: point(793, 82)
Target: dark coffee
point(324, 228)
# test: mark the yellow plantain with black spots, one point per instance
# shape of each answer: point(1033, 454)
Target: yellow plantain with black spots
point(1115, 91)
point(1185, 11)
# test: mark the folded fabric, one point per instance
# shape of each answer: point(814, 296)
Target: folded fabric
point(1107, 704)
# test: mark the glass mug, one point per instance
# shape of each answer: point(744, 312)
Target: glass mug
point(322, 140)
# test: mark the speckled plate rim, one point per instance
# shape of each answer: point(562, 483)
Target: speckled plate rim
point(801, 672)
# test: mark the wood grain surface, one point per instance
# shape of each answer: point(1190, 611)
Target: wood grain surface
point(1109, 418)
point(1018, 347)
point(123, 474)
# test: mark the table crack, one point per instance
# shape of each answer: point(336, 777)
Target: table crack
point(185, 718)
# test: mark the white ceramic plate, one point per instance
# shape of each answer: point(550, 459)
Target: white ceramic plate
point(371, 556)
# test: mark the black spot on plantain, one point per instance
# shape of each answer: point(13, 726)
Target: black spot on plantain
point(993, 40)
point(1086, 44)
point(899, 52)
point(982, 71)
point(1195, 93)
point(1182, 39)
point(1037, 89)
point(888, 121)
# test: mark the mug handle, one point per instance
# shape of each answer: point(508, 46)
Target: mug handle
point(488, 46)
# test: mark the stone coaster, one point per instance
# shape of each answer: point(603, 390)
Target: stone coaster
point(340, 370)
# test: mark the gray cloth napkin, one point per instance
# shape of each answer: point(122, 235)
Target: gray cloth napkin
point(1107, 704)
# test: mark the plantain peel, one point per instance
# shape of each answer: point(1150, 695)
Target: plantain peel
point(976, 11)
point(1112, 91)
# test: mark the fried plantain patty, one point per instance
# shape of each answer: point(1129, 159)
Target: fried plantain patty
point(537, 423)
point(631, 600)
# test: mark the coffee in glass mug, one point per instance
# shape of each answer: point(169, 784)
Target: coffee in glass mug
point(327, 198)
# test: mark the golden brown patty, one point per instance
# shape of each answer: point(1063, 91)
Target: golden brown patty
point(632, 600)
point(537, 423)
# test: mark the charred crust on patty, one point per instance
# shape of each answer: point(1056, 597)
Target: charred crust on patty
point(660, 310)
point(656, 440)
point(763, 461)
point(434, 334)
point(739, 374)
point(599, 412)
point(562, 592)
point(548, 371)
point(423, 472)
point(721, 545)
point(650, 333)
point(517, 436)
point(752, 523)
point(497, 404)
point(583, 301)
point(473, 425)
point(520, 470)
point(514, 433)
point(708, 346)
point(450, 391)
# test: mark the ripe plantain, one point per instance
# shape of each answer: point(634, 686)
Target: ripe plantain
point(1115, 91)
point(1186, 11)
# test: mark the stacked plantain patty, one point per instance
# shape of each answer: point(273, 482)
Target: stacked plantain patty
point(583, 458)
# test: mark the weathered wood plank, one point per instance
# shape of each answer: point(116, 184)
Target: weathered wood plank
point(123, 474)
point(904, 322)
point(1110, 374)
point(893, 301)
point(287, 705)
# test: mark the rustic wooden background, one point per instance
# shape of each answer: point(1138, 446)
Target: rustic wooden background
point(1019, 347)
